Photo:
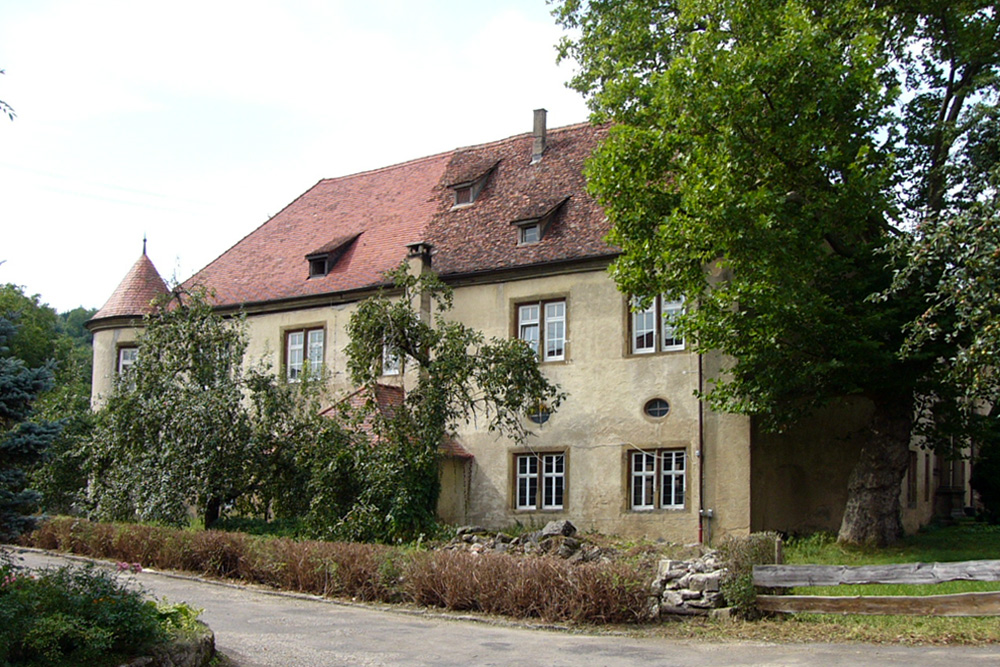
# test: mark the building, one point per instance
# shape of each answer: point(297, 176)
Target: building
point(510, 227)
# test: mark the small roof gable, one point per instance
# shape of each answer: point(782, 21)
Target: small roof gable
point(135, 294)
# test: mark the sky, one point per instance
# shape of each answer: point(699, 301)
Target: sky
point(191, 123)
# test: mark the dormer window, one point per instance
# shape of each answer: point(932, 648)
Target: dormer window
point(464, 195)
point(468, 180)
point(534, 221)
point(531, 233)
point(318, 265)
point(322, 260)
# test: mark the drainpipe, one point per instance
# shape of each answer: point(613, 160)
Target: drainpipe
point(704, 515)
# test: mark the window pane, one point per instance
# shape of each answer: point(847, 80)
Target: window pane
point(673, 479)
point(643, 480)
point(555, 330)
point(295, 354)
point(528, 325)
point(554, 479)
point(644, 330)
point(126, 358)
point(671, 311)
point(316, 339)
point(529, 234)
point(527, 482)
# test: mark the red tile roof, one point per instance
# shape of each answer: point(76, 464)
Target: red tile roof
point(388, 208)
point(480, 237)
point(135, 294)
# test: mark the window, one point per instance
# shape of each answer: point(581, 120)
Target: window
point(543, 327)
point(529, 234)
point(464, 195)
point(911, 480)
point(126, 358)
point(545, 472)
point(304, 348)
point(318, 266)
point(653, 327)
point(657, 408)
point(658, 479)
point(392, 362)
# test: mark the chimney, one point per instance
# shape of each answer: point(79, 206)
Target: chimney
point(538, 145)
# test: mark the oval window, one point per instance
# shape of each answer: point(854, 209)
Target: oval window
point(656, 408)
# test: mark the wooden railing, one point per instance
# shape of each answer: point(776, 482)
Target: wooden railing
point(960, 604)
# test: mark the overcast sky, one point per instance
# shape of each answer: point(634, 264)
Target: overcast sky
point(193, 122)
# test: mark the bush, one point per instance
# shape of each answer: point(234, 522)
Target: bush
point(73, 616)
point(542, 587)
point(739, 555)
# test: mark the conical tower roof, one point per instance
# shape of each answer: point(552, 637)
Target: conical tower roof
point(135, 294)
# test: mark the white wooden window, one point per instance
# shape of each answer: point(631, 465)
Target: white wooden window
point(304, 348)
point(126, 358)
point(658, 479)
point(543, 327)
point(392, 362)
point(653, 327)
point(540, 472)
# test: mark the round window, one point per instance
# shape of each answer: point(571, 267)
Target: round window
point(656, 408)
point(540, 414)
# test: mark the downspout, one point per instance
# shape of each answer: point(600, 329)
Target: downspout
point(704, 517)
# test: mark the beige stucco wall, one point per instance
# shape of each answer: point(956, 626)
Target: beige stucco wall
point(107, 342)
point(602, 419)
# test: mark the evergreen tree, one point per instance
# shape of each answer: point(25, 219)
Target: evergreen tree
point(22, 442)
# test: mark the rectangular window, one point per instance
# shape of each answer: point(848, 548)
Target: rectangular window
point(545, 473)
point(529, 234)
point(392, 363)
point(658, 479)
point(126, 358)
point(543, 327)
point(304, 349)
point(653, 327)
point(911, 481)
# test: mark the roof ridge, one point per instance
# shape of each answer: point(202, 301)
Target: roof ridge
point(522, 135)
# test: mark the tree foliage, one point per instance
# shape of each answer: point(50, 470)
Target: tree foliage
point(763, 161)
point(460, 377)
point(23, 441)
point(41, 338)
point(190, 425)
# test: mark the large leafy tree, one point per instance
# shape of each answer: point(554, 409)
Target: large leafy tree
point(190, 425)
point(23, 440)
point(763, 158)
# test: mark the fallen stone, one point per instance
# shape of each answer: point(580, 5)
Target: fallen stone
point(562, 527)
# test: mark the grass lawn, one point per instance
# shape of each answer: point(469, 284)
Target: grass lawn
point(968, 541)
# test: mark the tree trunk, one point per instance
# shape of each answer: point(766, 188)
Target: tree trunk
point(212, 509)
point(872, 515)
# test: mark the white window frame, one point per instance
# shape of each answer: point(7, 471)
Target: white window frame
point(657, 479)
point(127, 356)
point(302, 347)
point(540, 481)
point(652, 328)
point(392, 364)
point(542, 325)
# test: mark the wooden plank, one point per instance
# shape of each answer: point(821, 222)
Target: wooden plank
point(961, 604)
point(785, 576)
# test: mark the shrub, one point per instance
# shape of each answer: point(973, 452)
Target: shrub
point(73, 616)
point(542, 587)
point(740, 554)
